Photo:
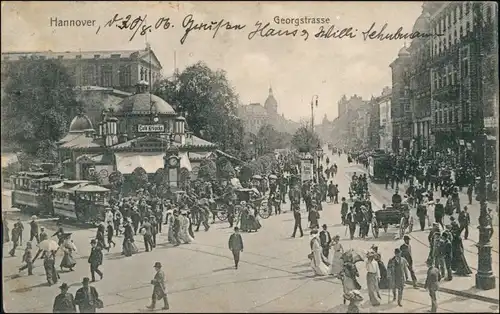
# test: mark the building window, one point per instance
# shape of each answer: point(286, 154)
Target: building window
point(488, 13)
point(467, 7)
point(89, 75)
point(142, 74)
point(455, 15)
point(465, 62)
point(107, 75)
point(455, 37)
point(125, 75)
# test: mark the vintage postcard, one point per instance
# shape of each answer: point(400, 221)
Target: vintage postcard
point(257, 156)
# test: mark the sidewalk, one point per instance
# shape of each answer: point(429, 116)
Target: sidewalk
point(460, 286)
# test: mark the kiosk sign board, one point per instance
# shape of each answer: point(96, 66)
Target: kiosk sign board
point(151, 128)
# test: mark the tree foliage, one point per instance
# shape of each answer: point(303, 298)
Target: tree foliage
point(139, 178)
point(304, 140)
point(116, 180)
point(208, 170)
point(268, 139)
point(225, 169)
point(209, 102)
point(37, 105)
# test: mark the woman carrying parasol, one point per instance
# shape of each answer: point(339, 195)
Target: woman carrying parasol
point(68, 247)
point(349, 271)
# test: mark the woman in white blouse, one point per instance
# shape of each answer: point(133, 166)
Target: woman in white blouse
point(372, 278)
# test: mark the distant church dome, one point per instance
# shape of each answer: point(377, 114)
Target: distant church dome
point(403, 52)
point(422, 24)
point(271, 102)
point(80, 123)
point(142, 102)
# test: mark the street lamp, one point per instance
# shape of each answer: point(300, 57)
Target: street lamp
point(485, 280)
point(313, 103)
point(319, 153)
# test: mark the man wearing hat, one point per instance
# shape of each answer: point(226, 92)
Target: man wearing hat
point(439, 212)
point(64, 302)
point(159, 288)
point(95, 259)
point(432, 285)
point(397, 270)
point(406, 253)
point(87, 298)
point(34, 229)
point(236, 245)
point(27, 258)
point(20, 225)
point(325, 240)
point(59, 233)
point(146, 230)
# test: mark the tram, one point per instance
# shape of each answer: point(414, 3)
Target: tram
point(31, 192)
point(379, 164)
point(82, 201)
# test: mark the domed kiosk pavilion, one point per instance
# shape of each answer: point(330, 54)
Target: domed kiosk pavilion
point(143, 132)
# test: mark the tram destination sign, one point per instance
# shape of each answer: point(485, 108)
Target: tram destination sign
point(151, 128)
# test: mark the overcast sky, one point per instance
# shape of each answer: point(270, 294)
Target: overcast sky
point(297, 69)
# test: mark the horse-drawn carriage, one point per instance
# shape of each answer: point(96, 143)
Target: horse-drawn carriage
point(242, 194)
point(397, 214)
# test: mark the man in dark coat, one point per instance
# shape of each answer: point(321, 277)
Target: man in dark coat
point(64, 302)
point(159, 288)
point(325, 240)
point(406, 253)
point(432, 285)
point(446, 252)
point(16, 235)
point(421, 214)
point(236, 245)
point(439, 212)
point(464, 222)
point(295, 203)
point(397, 271)
point(95, 260)
point(351, 222)
point(147, 231)
point(344, 209)
point(34, 230)
point(20, 225)
point(87, 298)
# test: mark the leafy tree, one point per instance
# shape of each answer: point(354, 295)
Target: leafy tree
point(139, 178)
point(269, 139)
point(208, 170)
point(159, 177)
point(37, 105)
point(116, 180)
point(304, 140)
point(94, 176)
point(209, 102)
point(184, 178)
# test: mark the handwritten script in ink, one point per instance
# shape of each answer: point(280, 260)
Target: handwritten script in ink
point(143, 25)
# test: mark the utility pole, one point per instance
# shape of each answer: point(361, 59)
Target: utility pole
point(485, 280)
point(312, 111)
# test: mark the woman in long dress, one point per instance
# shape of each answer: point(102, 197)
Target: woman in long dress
point(348, 276)
point(68, 247)
point(253, 221)
point(244, 223)
point(184, 232)
point(459, 263)
point(129, 246)
point(383, 283)
point(338, 250)
point(170, 223)
point(317, 257)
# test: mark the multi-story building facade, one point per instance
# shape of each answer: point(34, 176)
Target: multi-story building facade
point(401, 111)
point(420, 80)
point(380, 129)
point(385, 130)
point(120, 70)
point(457, 88)
point(255, 116)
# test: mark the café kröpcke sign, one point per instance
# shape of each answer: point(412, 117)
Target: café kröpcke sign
point(151, 128)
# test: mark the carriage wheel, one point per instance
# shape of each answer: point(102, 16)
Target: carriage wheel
point(264, 212)
point(375, 229)
point(222, 215)
point(410, 227)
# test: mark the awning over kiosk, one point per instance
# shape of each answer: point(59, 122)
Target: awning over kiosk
point(184, 162)
point(126, 163)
